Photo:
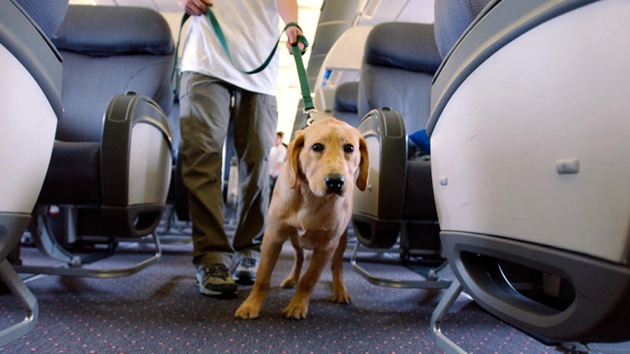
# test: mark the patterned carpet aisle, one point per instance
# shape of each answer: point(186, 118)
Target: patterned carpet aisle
point(159, 310)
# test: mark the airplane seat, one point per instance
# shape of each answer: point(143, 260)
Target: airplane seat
point(112, 159)
point(398, 66)
point(345, 103)
point(30, 106)
point(394, 99)
point(529, 141)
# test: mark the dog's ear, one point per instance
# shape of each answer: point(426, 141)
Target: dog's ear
point(364, 165)
point(293, 153)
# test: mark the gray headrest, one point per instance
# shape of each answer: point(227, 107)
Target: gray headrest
point(452, 17)
point(409, 46)
point(114, 30)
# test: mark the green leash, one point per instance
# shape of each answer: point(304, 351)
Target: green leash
point(309, 107)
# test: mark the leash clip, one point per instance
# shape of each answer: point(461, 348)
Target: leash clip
point(310, 116)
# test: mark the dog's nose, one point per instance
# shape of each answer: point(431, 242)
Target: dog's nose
point(334, 183)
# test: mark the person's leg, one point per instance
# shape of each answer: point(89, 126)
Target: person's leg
point(255, 122)
point(204, 119)
point(272, 185)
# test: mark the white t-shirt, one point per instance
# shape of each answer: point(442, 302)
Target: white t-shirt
point(251, 31)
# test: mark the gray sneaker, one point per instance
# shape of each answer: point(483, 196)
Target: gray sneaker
point(215, 280)
point(245, 272)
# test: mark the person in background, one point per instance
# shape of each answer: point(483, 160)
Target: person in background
point(213, 93)
point(277, 155)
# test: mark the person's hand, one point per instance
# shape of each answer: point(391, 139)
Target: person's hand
point(293, 33)
point(195, 7)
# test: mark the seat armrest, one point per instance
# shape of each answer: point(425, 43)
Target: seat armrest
point(136, 162)
point(377, 210)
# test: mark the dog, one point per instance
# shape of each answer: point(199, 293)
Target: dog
point(311, 205)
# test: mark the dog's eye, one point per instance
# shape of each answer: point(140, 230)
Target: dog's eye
point(348, 148)
point(318, 147)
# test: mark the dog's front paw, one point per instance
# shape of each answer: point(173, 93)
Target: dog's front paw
point(247, 312)
point(341, 296)
point(295, 311)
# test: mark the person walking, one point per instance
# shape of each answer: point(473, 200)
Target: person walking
point(213, 93)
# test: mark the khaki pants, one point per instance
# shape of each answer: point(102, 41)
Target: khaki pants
point(207, 105)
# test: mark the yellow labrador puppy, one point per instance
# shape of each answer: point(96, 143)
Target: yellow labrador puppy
point(311, 205)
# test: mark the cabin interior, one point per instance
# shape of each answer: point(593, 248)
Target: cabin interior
point(496, 217)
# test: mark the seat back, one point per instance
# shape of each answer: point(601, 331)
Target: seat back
point(345, 104)
point(398, 66)
point(47, 15)
point(108, 51)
